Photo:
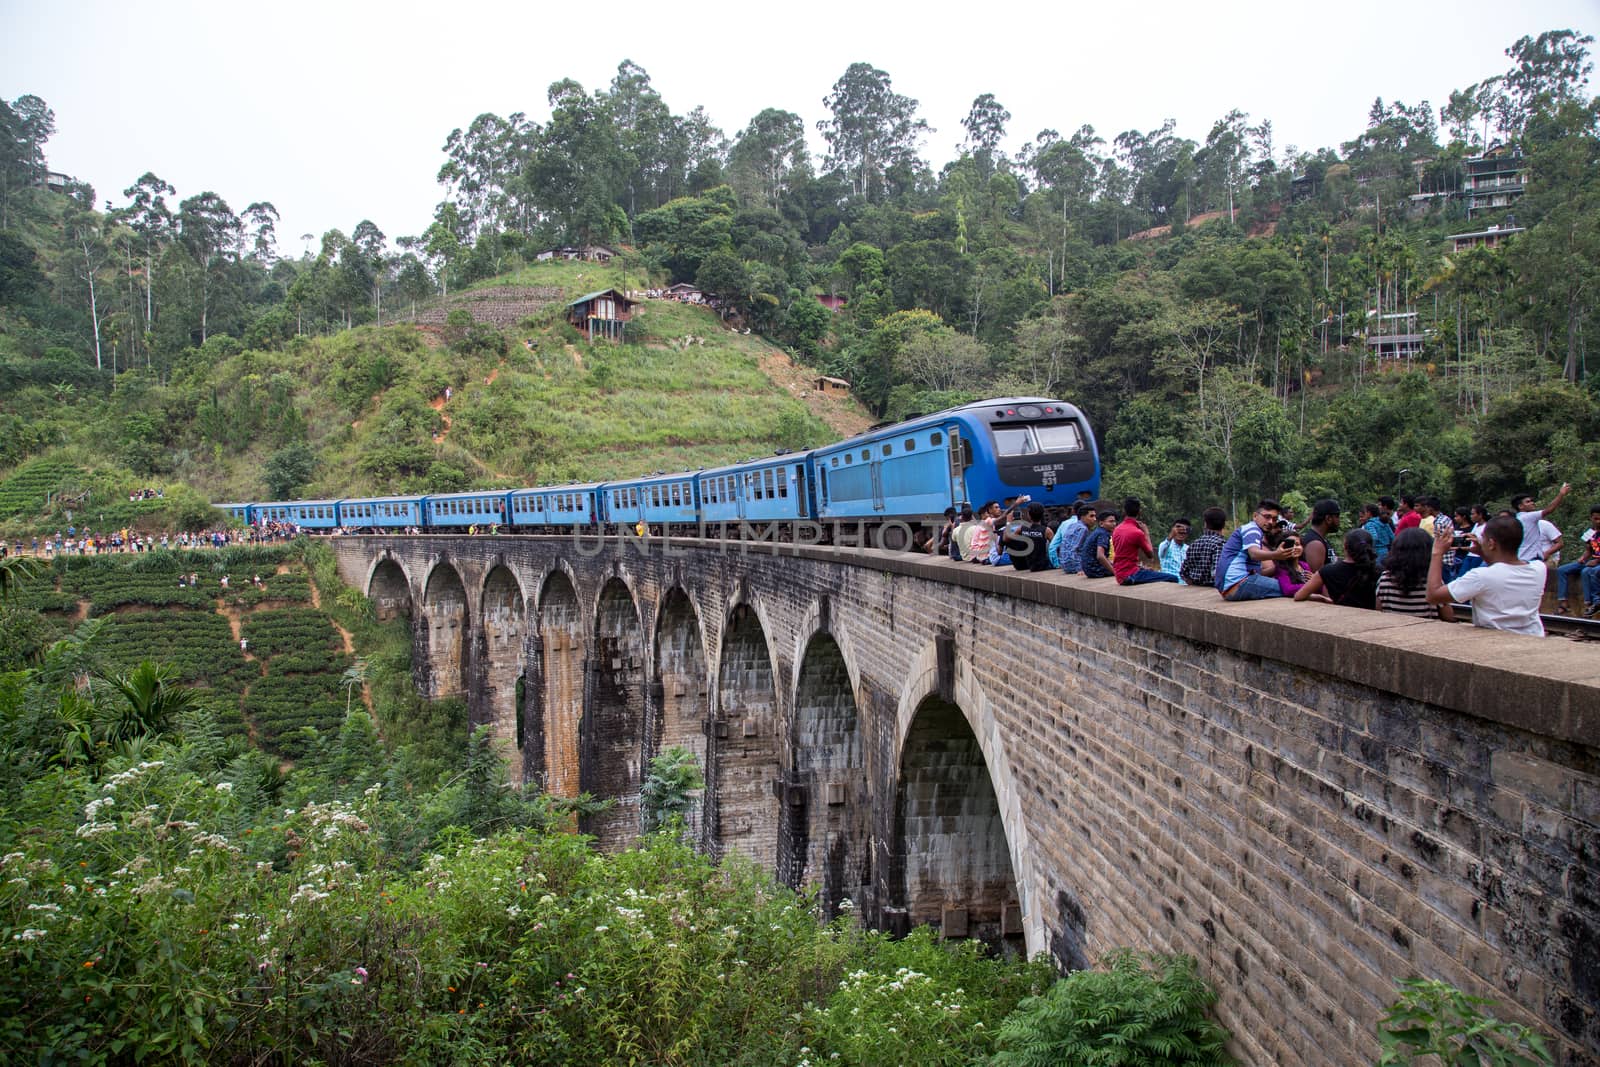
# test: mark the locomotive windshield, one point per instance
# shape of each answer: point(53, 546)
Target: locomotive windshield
point(1034, 439)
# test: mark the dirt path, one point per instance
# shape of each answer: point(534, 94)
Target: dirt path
point(437, 404)
point(842, 414)
point(344, 638)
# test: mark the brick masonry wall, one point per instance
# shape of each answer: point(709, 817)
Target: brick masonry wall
point(1314, 801)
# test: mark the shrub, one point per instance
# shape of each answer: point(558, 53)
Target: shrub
point(1436, 1019)
point(1135, 1011)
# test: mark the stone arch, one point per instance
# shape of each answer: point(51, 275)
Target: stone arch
point(389, 589)
point(825, 836)
point(960, 841)
point(745, 755)
point(443, 633)
point(611, 734)
point(500, 658)
point(680, 702)
point(553, 709)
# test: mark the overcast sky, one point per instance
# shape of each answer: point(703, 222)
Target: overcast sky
point(337, 111)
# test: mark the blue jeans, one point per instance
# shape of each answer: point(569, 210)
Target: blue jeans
point(1144, 576)
point(1255, 587)
point(1587, 577)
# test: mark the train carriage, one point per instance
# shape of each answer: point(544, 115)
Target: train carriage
point(306, 514)
point(665, 500)
point(761, 491)
point(238, 512)
point(990, 450)
point(572, 506)
point(448, 511)
point(380, 512)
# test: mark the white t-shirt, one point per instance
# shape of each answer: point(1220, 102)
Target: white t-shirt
point(1504, 596)
point(1538, 534)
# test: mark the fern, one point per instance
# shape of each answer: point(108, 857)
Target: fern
point(1136, 1011)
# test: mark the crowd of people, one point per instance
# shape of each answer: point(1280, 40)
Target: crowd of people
point(1408, 555)
point(76, 542)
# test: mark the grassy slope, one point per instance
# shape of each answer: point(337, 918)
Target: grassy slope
point(689, 393)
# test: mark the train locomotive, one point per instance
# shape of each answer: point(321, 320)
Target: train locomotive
point(872, 487)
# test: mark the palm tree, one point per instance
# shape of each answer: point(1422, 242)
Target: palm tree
point(16, 572)
point(153, 699)
point(354, 675)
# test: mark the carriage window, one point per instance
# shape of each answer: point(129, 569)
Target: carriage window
point(866, 454)
point(676, 499)
point(849, 458)
point(768, 479)
point(755, 481)
point(1060, 437)
point(910, 443)
point(888, 449)
point(783, 483)
point(936, 438)
point(835, 461)
point(1014, 441)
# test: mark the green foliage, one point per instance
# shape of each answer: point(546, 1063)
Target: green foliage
point(1135, 1011)
point(1434, 1019)
point(669, 787)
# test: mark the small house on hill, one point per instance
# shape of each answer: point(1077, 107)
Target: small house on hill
point(833, 386)
point(601, 314)
point(1490, 238)
point(584, 253)
point(685, 293)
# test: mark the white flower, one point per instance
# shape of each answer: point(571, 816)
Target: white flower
point(95, 829)
point(91, 810)
point(601, 929)
point(28, 935)
point(224, 787)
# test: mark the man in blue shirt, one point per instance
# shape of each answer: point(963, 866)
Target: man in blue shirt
point(1239, 574)
point(1069, 541)
point(1374, 522)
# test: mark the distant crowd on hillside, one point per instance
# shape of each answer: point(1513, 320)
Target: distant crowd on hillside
point(1408, 556)
point(84, 542)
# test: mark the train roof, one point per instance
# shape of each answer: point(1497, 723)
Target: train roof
point(297, 503)
point(382, 499)
point(976, 407)
point(470, 494)
point(576, 487)
point(765, 461)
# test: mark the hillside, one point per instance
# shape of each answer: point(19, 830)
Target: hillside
point(511, 395)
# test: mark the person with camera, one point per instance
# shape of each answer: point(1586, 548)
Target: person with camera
point(1130, 542)
point(1505, 592)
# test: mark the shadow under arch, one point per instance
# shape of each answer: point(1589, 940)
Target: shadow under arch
point(441, 638)
point(611, 733)
point(500, 660)
point(389, 589)
point(960, 857)
point(553, 709)
point(743, 808)
point(679, 690)
point(825, 833)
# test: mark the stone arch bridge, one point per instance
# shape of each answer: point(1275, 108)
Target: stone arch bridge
point(1315, 802)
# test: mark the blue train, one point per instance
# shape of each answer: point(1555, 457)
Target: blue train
point(908, 473)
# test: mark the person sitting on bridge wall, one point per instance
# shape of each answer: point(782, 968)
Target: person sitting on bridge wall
point(961, 538)
point(1130, 543)
point(1029, 544)
point(1239, 574)
point(1175, 549)
point(1200, 562)
point(1586, 568)
point(1403, 585)
point(1289, 574)
point(1314, 538)
point(1504, 592)
point(1351, 581)
point(1095, 558)
point(1070, 538)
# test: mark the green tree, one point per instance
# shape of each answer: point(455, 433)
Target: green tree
point(288, 469)
point(872, 129)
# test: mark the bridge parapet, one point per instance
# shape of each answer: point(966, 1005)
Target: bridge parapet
point(1314, 801)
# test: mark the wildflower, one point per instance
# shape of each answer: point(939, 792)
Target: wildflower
point(601, 929)
point(224, 787)
point(29, 935)
point(91, 810)
point(88, 963)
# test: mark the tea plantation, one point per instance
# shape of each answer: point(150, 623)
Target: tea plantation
point(172, 607)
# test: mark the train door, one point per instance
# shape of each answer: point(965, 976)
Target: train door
point(803, 503)
point(958, 465)
point(877, 485)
